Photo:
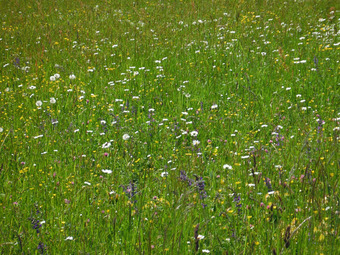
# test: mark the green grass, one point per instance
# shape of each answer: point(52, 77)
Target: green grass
point(257, 81)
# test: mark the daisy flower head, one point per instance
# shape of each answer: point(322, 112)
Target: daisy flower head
point(194, 133)
point(126, 137)
point(226, 166)
point(38, 103)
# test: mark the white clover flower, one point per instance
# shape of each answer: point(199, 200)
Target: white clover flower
point(194, 133)
point(107, 171)
point(52, 78)
point(227, 166)
point(214, 106)
point(72, 77)
point(52, 100)
point(38, 103)
point(57, 76)
point(126, 137)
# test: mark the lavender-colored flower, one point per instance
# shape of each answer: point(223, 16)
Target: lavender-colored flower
point(268, 184)
point(130, 190)
point(41, 248)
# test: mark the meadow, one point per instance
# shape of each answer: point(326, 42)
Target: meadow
point(169, 127)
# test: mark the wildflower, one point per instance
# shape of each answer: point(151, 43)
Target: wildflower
point(67, 201)
point(164, 174)
point(69, 238)
point(126, 137)
point(200, 237)
point(72, 77)
point(227, 166)
point(194, 133)
point(205, 251)
point(52, 78)
point(195, 142)
point(1, 129)
point(107, 171)
point(130, 190)
point(41, 247)
point(269, 185)
point(52, 100)
point(57, 76)
point(184, 177)
point(106, 145)
point(38, 103)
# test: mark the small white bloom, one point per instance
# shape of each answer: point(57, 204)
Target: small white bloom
point(227, 166)
point(69, 238)
point(38, 103)
point(57, 76)
point(72, 77)
point(247, 156)
point(126, 137)
point(107, 171)
point(214, 106)
point(164, 174)
point(1, 130)
point(106, 145)
point(205, 251)
point(200, 237)
point(194, 133)
point(87, 183)
point(52, 100)
point(195, 142)
point(52, 78)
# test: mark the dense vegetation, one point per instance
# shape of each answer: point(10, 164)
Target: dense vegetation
point(169, 127)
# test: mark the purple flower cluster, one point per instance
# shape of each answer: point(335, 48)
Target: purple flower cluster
point(199, 184)
point(36, 225)
point(130, 190)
